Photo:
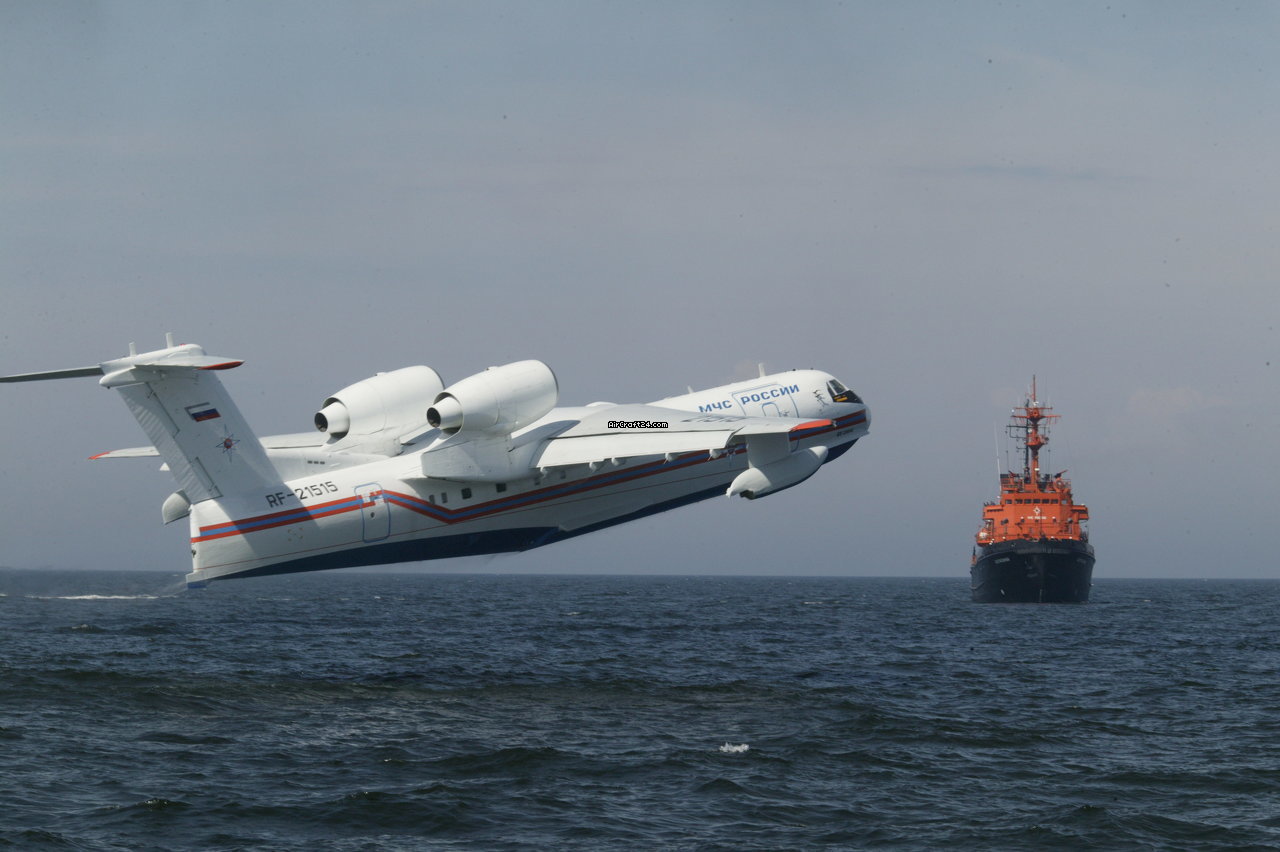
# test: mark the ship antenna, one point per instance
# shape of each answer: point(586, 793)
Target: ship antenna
point(1033, 439)
point(995, 433)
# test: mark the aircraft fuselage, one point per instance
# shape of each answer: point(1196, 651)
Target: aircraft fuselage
point(387, 511)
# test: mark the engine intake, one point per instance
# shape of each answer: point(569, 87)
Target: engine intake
point(387, 401)
point(334, 419)
point(496, 402)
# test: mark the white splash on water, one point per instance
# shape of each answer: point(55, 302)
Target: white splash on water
point(95, 597)
point(730, 748)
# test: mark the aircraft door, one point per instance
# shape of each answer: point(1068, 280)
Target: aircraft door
point(375, 512)
point(772, 400)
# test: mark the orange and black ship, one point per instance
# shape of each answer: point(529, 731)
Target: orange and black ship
point(1033, 546)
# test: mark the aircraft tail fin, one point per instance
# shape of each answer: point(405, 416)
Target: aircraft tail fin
point(175, 395)
point(178, 400)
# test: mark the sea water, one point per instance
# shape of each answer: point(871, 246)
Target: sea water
point(358, 711)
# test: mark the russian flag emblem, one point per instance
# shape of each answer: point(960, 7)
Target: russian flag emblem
point(202, 412)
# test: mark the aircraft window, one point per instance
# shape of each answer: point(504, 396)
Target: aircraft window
point(431, 498)
point(500, 487)
point(840, 393)
point(466, 494)
point(444, 497)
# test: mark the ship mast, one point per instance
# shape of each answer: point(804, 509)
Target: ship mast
point(1027, 420)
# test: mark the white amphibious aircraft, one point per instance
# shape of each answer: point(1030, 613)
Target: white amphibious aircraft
point(402, 468)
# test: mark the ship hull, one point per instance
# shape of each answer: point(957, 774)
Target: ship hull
point(1033, 571)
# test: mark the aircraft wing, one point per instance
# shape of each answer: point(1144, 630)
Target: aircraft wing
point(294, 441)
point(628, 431)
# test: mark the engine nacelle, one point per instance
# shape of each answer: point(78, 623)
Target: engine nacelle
point(496, 402)
point(792, 470)
point(387, 401)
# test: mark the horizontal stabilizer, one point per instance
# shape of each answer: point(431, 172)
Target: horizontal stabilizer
point(127, 369)
point(74, 373)
point(175, 356)
point(129, 453)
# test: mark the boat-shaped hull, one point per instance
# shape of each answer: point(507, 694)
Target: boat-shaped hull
point(1033, 571)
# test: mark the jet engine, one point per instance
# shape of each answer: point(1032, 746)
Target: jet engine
point(386, 401)
point(496, 402)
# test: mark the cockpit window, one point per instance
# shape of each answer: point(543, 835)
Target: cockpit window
point(840, 393)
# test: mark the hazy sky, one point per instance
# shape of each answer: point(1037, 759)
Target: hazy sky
point(931, 200)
